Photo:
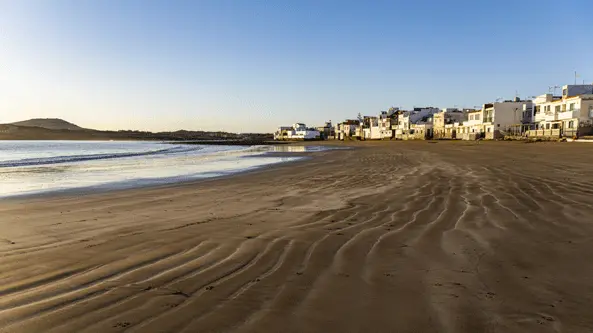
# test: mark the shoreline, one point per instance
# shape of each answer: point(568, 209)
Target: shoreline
point(157, 183)
point(172, 182)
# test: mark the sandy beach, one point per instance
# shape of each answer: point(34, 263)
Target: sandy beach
point(386, 237)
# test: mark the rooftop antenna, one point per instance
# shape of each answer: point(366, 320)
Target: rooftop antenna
point(575, 77)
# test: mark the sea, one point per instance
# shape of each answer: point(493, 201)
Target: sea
point(38, 167)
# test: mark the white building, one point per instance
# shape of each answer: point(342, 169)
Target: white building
point(371, 130)
point(496, 119)
point(417, 116)
point(472, 127)
point(505, 117)
point(385, 124)
point(421, 131)
point(298, 131)
point(444, 123)
point(347, 129)
point(571, 114)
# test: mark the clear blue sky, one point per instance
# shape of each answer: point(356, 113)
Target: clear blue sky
point(253, 65)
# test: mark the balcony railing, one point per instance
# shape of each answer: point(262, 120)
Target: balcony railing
point(569, 114)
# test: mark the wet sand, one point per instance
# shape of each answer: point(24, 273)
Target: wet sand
point(388, 237)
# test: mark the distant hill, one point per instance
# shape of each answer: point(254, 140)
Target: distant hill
point(49, 123)
point(58, 129)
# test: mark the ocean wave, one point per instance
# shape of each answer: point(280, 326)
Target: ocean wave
point(92, 157)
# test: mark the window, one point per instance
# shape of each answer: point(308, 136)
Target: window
point(557, 108)
point(563, 107)
point(564, 92)
point(571, 108)
point(571, 124)
point(477, 117)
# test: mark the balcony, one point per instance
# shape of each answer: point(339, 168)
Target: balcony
point(488, 119)
point(540, 116)
point(565, 115)
point(550, 116)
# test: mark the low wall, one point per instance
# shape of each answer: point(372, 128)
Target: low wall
point(546, 133)
point(495, 135)
point(578, 132)
point(470, 136)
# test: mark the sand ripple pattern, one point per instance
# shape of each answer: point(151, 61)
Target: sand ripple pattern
point(389, 237)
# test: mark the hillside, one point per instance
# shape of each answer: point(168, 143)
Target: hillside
point(57, 129)
point(49, 123)
point(14, 132)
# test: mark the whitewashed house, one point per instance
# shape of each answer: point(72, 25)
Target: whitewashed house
point(347, 129)
point(506, 117)
point(298, 131)
point(385, 125)
point(444, 123)
point(421, 130)
point(495, 120)
point(471, 127)
point(417, 116)
point(371, 129)
point(568, 115)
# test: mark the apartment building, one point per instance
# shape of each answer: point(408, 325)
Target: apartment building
point(571, 114)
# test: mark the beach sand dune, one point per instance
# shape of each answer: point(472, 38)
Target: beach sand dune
point(387, 237)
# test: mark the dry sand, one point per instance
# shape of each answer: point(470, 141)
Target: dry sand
point(390, 237)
